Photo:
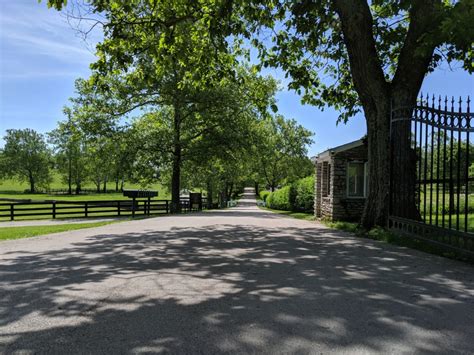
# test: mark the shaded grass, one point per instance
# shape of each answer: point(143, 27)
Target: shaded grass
point(386, 236)
point(7, 233)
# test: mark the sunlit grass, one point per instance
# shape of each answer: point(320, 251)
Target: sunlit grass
point(31, 231)
point(297, 215)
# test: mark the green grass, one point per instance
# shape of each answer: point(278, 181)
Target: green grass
point(7, 233)
point(13, 188)
point(297, 215)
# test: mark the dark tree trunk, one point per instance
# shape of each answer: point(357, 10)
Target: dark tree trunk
point(117, 184)
point(69, 176)
point(209, 194)
point(378, 140)
point(32, 184)
point(256, 189)
point(121, 184)
point(176, 173)
point(104, 187)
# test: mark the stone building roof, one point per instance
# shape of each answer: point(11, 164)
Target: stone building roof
point(326, 155)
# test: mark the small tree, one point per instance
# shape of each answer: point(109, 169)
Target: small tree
point(70, 155)
point(26, 157)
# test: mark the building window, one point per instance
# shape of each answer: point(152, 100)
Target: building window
point(357, 179)
point(326, 179)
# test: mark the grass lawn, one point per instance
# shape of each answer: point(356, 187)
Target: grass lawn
point(31, 231)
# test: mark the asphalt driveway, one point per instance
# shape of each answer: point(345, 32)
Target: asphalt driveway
point(240, 280)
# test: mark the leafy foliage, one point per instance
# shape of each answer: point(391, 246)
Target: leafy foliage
point(26, 157)
point(296, 197)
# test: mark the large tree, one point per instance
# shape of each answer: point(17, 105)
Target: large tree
point(26, 156)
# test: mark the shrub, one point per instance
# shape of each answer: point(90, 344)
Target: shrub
point(264, 195)
point(280, 199)
point(302, 197)
point(297, 197)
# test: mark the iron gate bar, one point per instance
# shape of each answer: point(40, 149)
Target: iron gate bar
point(441, 160)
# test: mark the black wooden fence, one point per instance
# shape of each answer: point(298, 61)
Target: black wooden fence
point(22, 209)
point(441, 140)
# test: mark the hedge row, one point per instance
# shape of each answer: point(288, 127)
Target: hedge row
point(297, 197)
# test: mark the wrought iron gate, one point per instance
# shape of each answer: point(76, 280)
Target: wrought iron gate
point(442, 141)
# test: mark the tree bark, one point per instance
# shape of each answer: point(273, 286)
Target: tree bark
point(69, 175)
point(32, 183)
point(209, 195)
point(176, 173)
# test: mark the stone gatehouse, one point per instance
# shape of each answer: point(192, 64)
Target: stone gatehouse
point(341, 182)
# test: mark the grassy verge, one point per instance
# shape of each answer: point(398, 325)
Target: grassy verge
point(297, 215)
point(31, 231)
point(391, 238)
point(381, 235)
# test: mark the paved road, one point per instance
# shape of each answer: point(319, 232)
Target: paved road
point(240, 280)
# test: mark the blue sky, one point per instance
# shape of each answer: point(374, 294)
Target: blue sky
point(41, 55)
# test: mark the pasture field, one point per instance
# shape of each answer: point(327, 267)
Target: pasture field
point(12, 188)
point(436, 212)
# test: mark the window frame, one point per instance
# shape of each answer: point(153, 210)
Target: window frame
point(365, 187)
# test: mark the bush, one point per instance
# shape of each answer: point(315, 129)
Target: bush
point(264, 195)
point(297, 197)
point(280, 199)
point(303, 192)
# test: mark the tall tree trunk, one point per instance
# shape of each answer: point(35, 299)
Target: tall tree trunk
point(104, 188)
point(32, 183)
point(378, 139)
point(117, 184)
point(69, 176)
point(176, 173)
point(256, 189)
point(209, 194)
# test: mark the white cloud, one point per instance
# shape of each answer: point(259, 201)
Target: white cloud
point(30, 28)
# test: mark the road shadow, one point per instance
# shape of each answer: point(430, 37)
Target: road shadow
point(234, 289)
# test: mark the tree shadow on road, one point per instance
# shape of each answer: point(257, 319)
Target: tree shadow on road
point(240, 289)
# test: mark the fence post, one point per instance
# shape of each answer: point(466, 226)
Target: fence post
point(86, 211)
point(54, 209)
point(148, 206)
point(12, 212)
point(133, 208)
point(118, 208)
point(167, 207)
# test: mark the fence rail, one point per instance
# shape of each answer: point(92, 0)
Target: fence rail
point(76, 209)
